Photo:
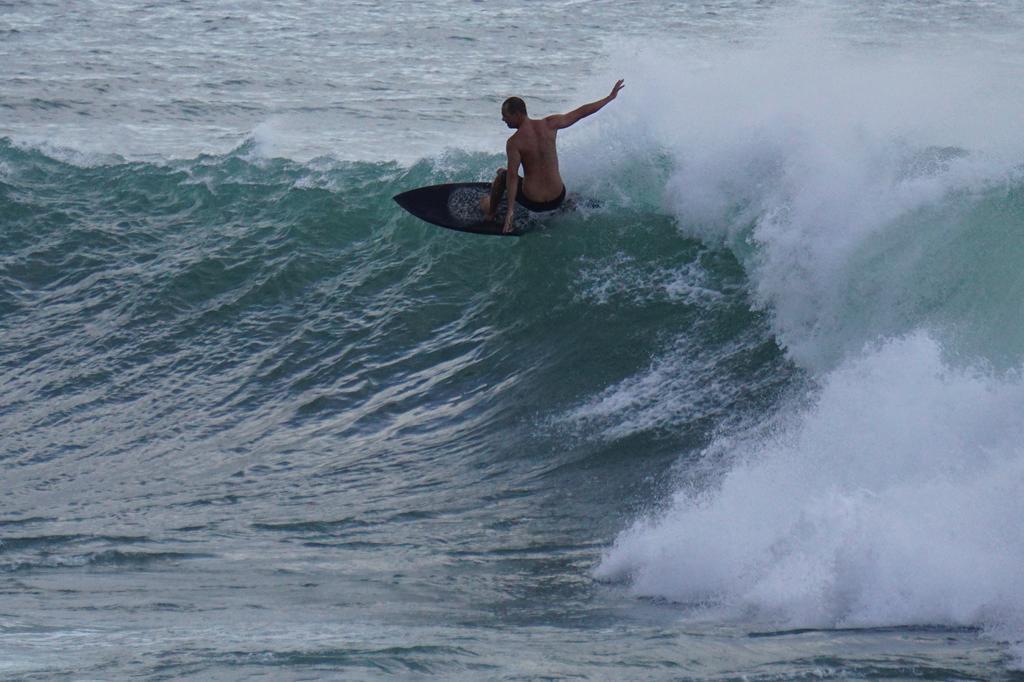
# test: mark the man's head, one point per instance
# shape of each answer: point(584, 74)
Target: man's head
point(513, 112)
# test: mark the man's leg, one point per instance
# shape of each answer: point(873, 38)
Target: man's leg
point(489, 204)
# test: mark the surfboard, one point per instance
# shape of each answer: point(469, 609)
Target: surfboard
point(456, 206)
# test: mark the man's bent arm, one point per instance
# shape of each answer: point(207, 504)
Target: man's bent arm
point(511, 183)
point(565, 120)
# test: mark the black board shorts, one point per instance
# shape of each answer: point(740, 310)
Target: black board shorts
point(538, 206)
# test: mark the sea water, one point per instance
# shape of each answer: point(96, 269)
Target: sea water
point(759, 415)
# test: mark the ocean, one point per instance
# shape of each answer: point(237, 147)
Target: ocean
point(755, 413)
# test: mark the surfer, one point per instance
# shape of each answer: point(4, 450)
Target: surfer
point(533, 146)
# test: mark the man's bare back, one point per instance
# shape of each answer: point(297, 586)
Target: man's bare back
point(533, 146)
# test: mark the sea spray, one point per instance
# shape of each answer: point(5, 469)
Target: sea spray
point(873, 196)
point(866, 191)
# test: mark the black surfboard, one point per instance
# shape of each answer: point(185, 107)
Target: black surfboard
point(456, 206)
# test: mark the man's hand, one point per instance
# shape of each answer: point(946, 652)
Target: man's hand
point(619, 84)
point(559, 121)
point(507, 229)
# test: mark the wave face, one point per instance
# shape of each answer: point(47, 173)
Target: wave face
point(297, 293)
point(260, 371)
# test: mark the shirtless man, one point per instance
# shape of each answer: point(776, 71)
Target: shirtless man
point(533, 145)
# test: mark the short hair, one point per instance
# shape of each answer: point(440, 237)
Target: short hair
point(514, 105)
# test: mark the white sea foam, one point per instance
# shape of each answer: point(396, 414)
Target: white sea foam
point(623, 277)
point(661, 396)
point(72, 153)
point(894, 499)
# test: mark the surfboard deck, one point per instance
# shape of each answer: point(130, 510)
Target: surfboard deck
point(456, 206)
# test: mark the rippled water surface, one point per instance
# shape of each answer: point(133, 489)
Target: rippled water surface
point(755, 413)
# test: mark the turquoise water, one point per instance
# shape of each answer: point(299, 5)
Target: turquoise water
point(757, 416)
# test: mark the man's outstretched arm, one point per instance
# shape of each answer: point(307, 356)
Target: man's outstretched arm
point(560, 121)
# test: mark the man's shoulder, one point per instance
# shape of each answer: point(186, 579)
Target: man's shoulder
point(530, 131)
point(554, 121)
point(516, 138)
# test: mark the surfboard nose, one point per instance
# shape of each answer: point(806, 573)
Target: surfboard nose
point(404, 199)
